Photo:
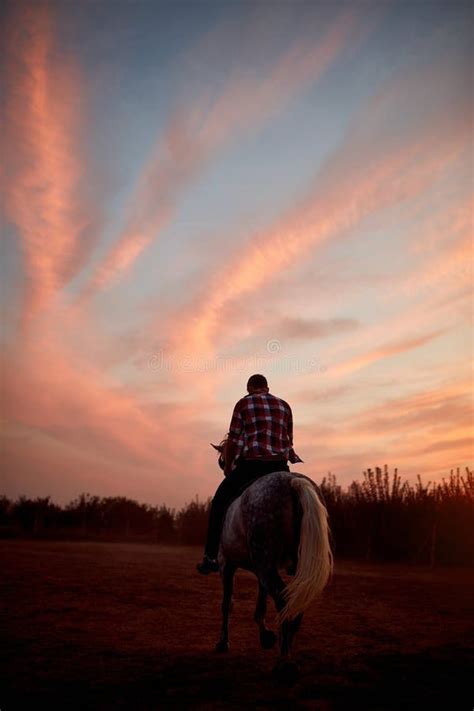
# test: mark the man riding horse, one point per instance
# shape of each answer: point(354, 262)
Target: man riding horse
point(260, 441)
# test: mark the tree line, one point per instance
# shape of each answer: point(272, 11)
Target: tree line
point(376, 519)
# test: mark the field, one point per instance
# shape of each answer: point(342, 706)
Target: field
point(125, 626)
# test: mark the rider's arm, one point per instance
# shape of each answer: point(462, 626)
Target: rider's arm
point(232, 446)
point(231, 451)
point(290, 426)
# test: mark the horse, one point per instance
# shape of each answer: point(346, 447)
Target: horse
point(279, 522)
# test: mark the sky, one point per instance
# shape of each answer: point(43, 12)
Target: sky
point(194, 192)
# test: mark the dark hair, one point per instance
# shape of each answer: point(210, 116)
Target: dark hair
point(257, 381)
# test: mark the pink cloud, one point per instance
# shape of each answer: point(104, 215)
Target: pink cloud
point(411, 432)
point(338, 202)
point(385, 351)
point(70, 401)
point(195, 133)
point(43, 167)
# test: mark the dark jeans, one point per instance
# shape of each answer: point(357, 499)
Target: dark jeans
point(246, 471)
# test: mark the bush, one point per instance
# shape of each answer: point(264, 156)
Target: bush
point(380, 518)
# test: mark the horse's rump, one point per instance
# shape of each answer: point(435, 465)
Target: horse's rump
point(264, 522)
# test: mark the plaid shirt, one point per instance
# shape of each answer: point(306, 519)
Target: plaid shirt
point(262, 426)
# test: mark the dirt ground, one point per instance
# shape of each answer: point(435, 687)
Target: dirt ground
point(125, 626)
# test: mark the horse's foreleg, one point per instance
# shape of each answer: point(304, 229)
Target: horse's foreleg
point(228, 584)
point(267, 637)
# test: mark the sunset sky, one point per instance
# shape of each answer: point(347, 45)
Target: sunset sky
point(198, 191)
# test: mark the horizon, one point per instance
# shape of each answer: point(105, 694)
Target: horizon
point(330, 480)
point(195, 192)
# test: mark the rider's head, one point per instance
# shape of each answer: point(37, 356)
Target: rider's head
point(257, 382)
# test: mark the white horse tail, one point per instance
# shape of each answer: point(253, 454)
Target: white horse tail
point(315, 560)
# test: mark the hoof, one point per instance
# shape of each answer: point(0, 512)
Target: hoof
point(222, 647)
point(268, 639)
point(285, 673)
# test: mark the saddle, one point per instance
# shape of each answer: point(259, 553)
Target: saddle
point(246, 485)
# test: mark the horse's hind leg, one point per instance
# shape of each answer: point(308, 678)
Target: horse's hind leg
point(267, 637)
point(275, 587)
point(228, 584)
point(286, 671)
point(296, 624)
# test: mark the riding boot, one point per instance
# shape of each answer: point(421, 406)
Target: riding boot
point(216, 517)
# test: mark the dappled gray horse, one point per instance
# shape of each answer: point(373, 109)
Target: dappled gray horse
point(278, 522)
